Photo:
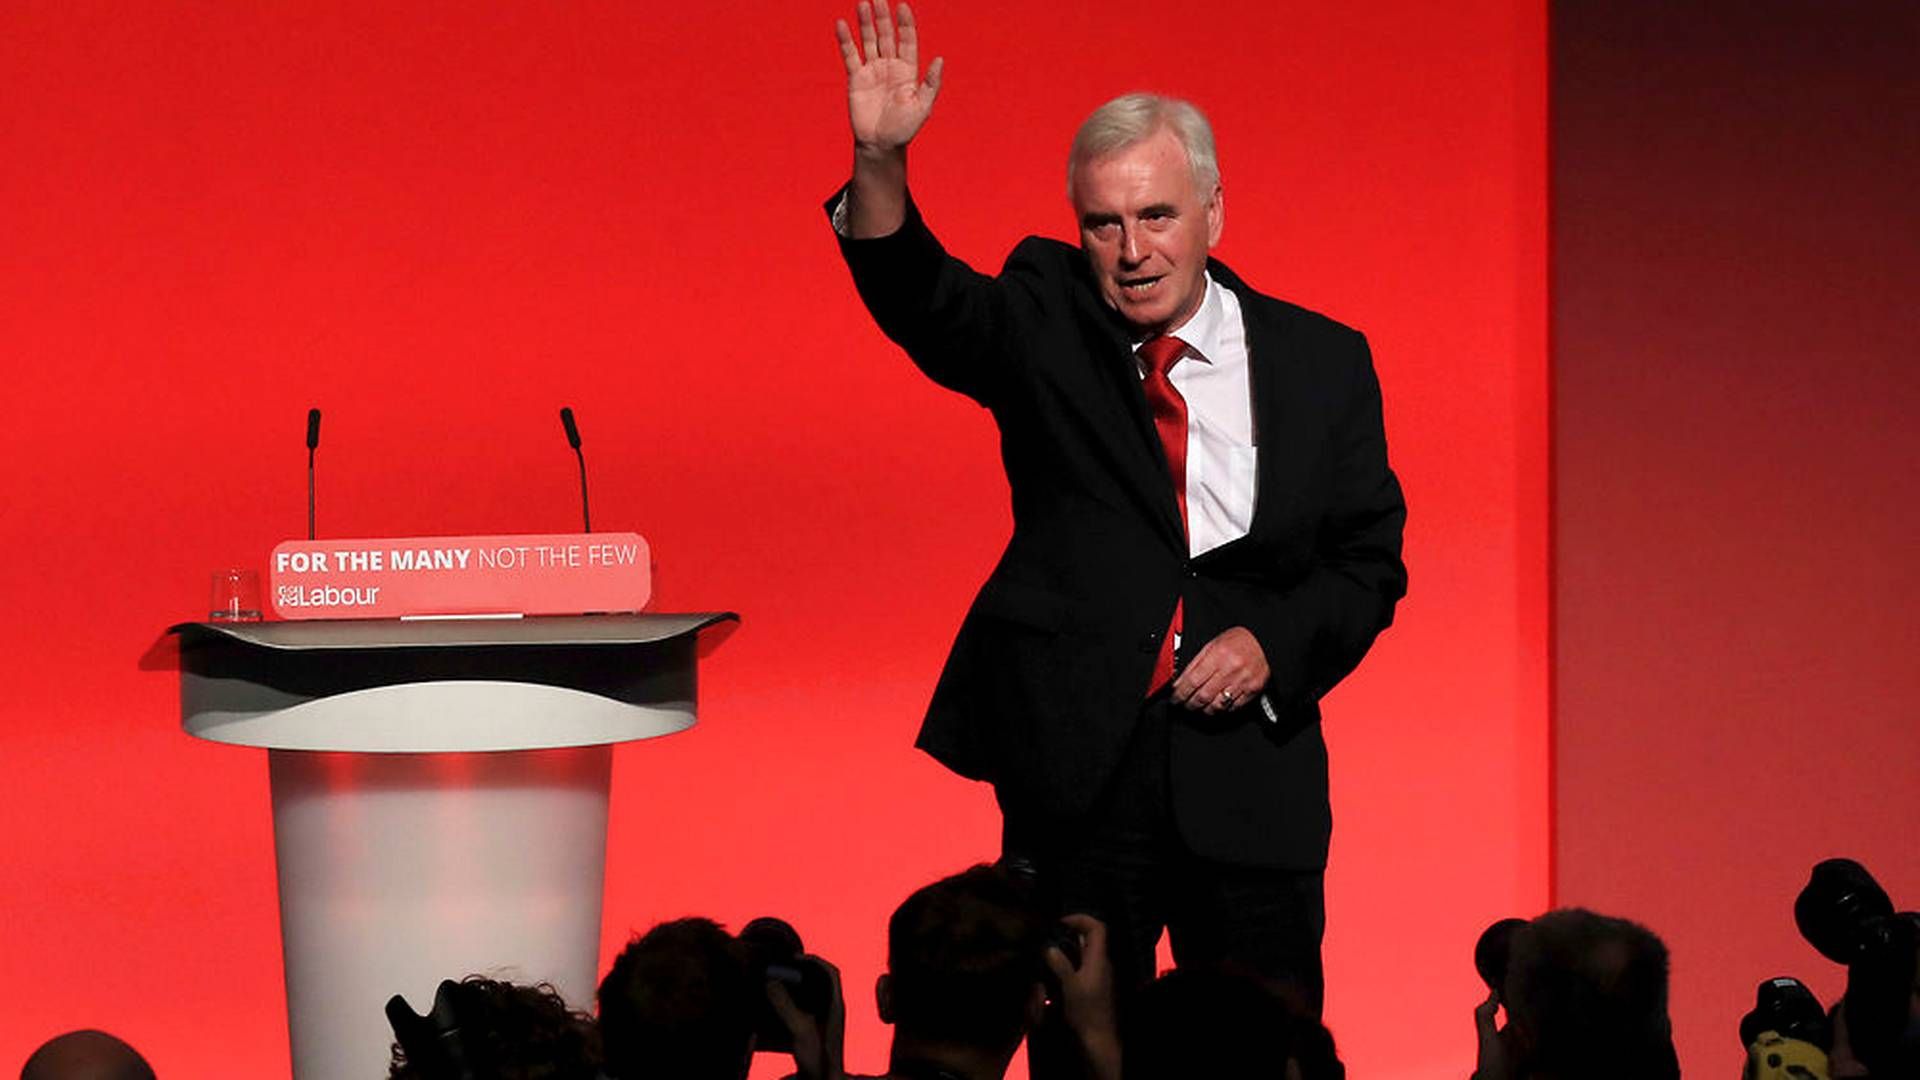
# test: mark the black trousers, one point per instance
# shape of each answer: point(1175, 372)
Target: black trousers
point(1126, 865)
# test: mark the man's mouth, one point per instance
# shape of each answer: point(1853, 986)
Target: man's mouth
point(1138, 287)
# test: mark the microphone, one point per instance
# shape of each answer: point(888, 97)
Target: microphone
point(573, 440)
point(313, 443)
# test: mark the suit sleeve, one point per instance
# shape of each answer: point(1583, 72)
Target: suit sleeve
point(952, 320)
point(1315, 632)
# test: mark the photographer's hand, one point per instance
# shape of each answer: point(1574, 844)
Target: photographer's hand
point(1491, 1062)
point(819, 1047)
point(1086, 996)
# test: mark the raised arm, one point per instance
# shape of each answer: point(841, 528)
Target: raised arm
point(887, 101)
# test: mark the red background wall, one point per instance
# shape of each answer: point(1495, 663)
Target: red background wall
point(440, 222)
point(1735, 390)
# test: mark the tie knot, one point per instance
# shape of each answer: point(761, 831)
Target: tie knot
point(1161, 352)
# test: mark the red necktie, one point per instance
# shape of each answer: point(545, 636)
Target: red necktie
point(1170, 420)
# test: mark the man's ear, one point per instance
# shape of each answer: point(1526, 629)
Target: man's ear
point(1036, 1006)
point(883, 997)
point(1216, 216)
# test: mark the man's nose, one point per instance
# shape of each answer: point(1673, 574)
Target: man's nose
point(1130, 252)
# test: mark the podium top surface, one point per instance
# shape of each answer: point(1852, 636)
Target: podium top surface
point(304, 635)
point(441, 685)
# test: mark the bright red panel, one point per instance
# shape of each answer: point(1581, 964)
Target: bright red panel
point(440, 223)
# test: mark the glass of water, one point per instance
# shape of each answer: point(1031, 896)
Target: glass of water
point(236, 596)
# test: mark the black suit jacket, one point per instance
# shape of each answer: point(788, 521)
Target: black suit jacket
point(1047, 675)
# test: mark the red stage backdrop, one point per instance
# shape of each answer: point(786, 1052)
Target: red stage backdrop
point(1735, 391)
point(441, 222)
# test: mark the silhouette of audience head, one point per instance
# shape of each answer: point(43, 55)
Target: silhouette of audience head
point(964, 967)
point(487, 1029)
point(86, 1055)
point(680, 1002)
point(1222, 1022)
point(1586, 996)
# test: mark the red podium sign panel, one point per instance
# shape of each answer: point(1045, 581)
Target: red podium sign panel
point(557, 574)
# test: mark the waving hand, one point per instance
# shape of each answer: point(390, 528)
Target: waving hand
point(887, 100)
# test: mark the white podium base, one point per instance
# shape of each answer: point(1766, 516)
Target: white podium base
point(439, 796)
point(400, 870)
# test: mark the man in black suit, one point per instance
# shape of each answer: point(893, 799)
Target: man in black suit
point(1206, 531)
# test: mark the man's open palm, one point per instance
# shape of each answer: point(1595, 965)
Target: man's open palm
point(887, 101)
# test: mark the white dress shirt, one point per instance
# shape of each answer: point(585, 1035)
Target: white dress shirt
point(1222, 459)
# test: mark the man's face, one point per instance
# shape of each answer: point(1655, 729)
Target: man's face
point(1146, 229)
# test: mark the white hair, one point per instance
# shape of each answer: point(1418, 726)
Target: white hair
point(1130, 118)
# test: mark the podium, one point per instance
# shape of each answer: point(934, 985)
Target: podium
point(439, 796)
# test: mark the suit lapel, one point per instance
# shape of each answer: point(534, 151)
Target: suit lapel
point(1143, 459)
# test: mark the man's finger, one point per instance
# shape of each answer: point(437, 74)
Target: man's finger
point(1190, 677)
point(1093, 934)
point(883, 24)
point(1483, 1013)
point(1217, 675)
point(783, 1004)
point(849, 55)
point(1203, 666)
point(933, 78)
point(909, 39)
point(1058, 963)
point(1183, 687)
point(1212, 694)
point(868, 44)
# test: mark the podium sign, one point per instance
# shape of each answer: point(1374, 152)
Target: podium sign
point(548, 574)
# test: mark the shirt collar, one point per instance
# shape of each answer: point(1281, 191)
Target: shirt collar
point(1202, 331)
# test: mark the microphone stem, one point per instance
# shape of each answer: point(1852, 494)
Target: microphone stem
point(586, 520)
point(309, 493)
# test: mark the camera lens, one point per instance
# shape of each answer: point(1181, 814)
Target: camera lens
point(1842, 912)
point(1492, 951)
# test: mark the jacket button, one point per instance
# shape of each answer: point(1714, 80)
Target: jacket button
point(1150, 643)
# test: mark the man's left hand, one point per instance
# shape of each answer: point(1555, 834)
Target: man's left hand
point(1226, 673)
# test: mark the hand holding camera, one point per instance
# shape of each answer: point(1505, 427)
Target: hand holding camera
point(805, 1014)
point(1082, 988)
